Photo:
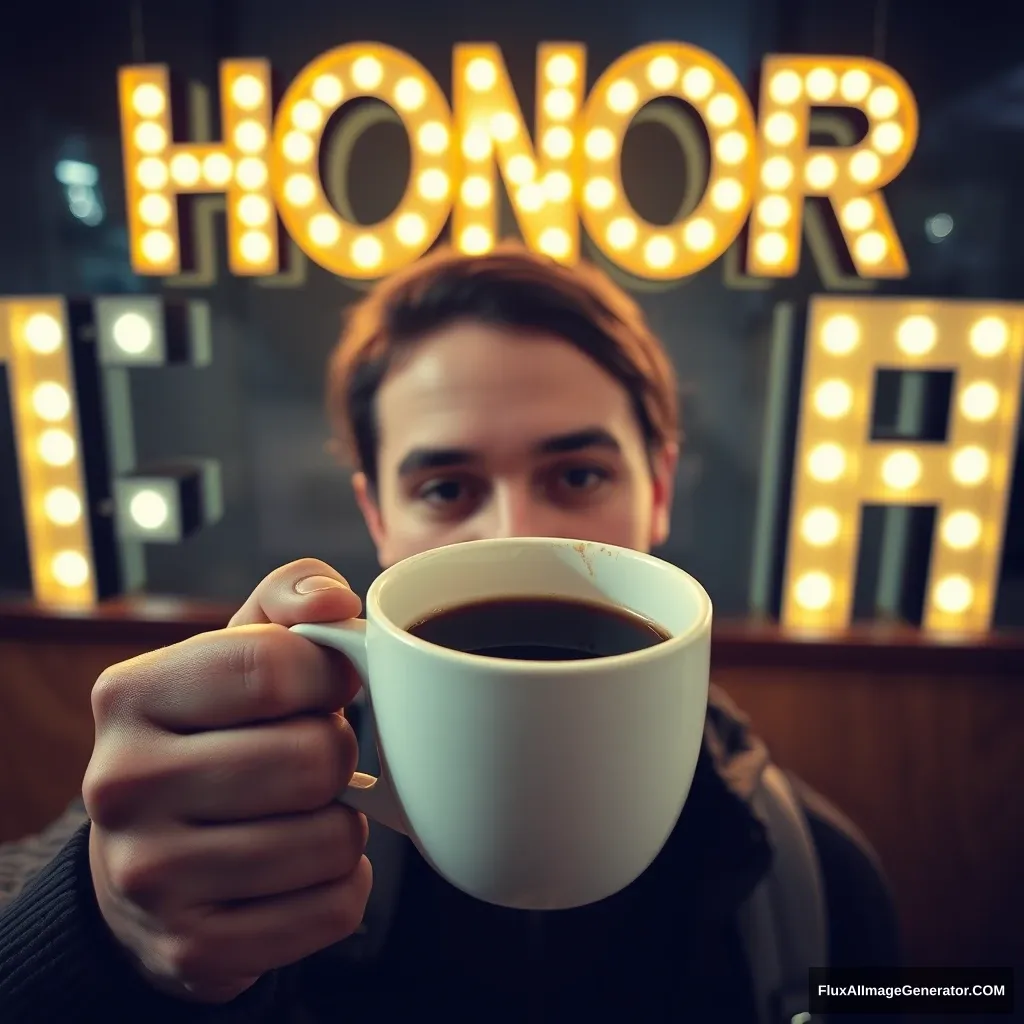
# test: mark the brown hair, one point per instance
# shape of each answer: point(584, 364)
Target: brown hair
point(509, 287)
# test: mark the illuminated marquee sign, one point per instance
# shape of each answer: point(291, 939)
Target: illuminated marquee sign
point(761, 168)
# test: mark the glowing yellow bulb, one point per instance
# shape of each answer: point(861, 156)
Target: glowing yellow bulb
point(150, 137)
point(51, 401)
point(732, 147)
point(599, 144)
point(774, 211)
point(367, 252)
point(56, 447)
point(826, 462)
point(557, 186)
point(623, 96)
point(821, 171)
point(555, 242)
point(917, 335)
point(148, 100)
point(504, 126)
point(785, 87)
point(157, 246)
point(247, 91)
point(865, 166)
point(43, 333)
point(250, 136)
point(410, 229)
point(557, 142)
point(697, 83)
point(840, 334)
point(433, 185)
point(307, 116)
point(599, 193)
point(255, 247)
point(857, 214)
point(185, 169)
point(659, 252)
point(813, 591)
point(953, 594)
point(217, 169)
point(820, 526)
point(70, 569)
point(154, 210)
point(821, 84)
point(887, 137)
point(151, 173)
point(699, 234)
point(253, 211)
point(297, 147)
point(62, 506)
point(530, 197)
point(722, 110)
point(961, 530)
point(476, 145)
point(560, 69)
point(251, 173)
point(622, 233)
point(299, 190)
point(833, 399)
point(476, 192)
point(771, 248)
point(328, 91)
point(901, 470)
point(854, 85)
point(871, 247)
point(475, 240)
point(432, 137)
point(970, 465)
point(559, 104)
point(777, 172)
point(367, 73)
point(883, 102)
point(726, 194)
point(410, 94)
point(989, 337)
point(780, 129)
point(663, 72)
point(481, 74)
point(979, 401)
point(520, 169)
point(324, 229)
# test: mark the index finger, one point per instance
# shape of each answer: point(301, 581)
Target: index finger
point(231, 677)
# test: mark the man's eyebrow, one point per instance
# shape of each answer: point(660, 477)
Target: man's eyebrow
point(419, 459)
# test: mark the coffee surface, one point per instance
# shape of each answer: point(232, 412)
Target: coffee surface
point(539, 629)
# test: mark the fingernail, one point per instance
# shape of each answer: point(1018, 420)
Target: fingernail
point(314, 584)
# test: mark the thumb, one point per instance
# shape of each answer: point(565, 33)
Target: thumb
point(306, 590)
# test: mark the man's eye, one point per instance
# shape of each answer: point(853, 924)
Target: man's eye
point(583, 478)
point(442, 492)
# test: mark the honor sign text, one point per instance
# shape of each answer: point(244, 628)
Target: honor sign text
point(563, 174)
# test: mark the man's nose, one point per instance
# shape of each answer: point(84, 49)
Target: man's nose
point(516, 512)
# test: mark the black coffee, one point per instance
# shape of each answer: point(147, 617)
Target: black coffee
point(539, 629)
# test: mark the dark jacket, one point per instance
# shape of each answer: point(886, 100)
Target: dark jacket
point(667, 948)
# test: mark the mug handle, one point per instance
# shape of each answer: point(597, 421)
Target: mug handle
point(372, 795)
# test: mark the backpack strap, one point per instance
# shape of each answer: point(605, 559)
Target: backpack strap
point(784, 921)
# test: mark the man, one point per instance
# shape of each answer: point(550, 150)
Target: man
point(218, 880)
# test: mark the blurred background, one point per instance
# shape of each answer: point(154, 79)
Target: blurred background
point(258, 407)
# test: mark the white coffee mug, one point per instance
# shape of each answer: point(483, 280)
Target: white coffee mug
point(530, 784)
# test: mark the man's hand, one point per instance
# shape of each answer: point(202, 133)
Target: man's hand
point(218, 852)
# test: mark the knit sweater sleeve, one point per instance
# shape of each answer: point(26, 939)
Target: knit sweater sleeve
point(58, 961)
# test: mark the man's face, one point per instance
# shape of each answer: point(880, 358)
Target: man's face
point(493, 432)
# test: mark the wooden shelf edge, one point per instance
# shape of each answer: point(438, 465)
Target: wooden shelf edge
point(152, 620)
